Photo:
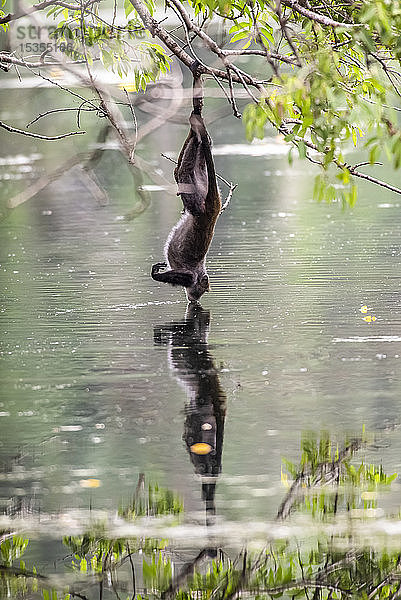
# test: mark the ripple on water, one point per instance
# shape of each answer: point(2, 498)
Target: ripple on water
point(363, 339)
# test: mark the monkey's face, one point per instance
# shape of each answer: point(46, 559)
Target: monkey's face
point(195, 291)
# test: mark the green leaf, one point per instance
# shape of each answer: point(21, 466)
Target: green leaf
point(268, 35)
point(301, 149)
point(374, 153)
point(128, 8)
point(106, 58)
point(353, 195)
point(239, 36)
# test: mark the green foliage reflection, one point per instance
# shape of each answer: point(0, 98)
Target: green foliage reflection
point(330, 563)
point(156, 502)
point(326, 481)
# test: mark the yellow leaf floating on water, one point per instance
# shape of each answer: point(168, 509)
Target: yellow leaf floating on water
point(369, 319)
point(201, 448)
point(89, 483)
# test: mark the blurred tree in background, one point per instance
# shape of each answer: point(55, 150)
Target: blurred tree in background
point(325, 74)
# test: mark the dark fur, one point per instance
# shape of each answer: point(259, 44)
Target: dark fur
point(189, 240)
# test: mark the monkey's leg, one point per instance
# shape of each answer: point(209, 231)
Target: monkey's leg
point(191, 174)
point(184, 278)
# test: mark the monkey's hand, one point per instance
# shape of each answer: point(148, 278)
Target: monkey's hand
point(157, 267)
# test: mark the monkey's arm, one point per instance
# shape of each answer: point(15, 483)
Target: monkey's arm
point(184, 278)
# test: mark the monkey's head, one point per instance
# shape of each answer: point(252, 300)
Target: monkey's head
point(198, 288)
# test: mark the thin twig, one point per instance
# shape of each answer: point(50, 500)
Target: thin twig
point(362, 164)
point(260, 42)
point(37, 7)
point(65, 89)
point(57, 110)
point(283, 25)
point(229, 196)
point(273, 55)
point(233, 103)
point(37, 135)
point(316, 17)
point(135, 125)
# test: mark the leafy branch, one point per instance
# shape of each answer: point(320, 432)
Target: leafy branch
point(325, 75)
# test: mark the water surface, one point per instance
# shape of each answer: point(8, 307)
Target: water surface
point(107, 378)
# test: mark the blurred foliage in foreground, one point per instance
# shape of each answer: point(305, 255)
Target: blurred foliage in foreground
point(330, 563)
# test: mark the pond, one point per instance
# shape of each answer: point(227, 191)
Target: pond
point(142, 440)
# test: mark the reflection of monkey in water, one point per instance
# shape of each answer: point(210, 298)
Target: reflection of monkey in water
point(194, 368)
point(189, 240)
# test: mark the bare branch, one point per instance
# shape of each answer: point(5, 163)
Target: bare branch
point(273, 55)
point(244, 78)
point(285, 32)
point(12, 60)
point(232, 97)
point(229, 196)
point(68, 90)
point(317, 17)
point(57, 110)
point(374, 180)
point(36, 7)
point(112, 112)
point(135, 125)
point(37, 135)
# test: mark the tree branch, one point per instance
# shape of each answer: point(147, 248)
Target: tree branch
point(273, 55)
point(374, 180)
point(158, 31)
point(12, 60)
point(244, 78)
point(340, 165)
point(36, 7)
point(57, 110)
point(37, 135)
point(317, 17)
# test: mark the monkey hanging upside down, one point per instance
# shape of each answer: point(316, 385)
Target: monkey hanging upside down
point(189, 240)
